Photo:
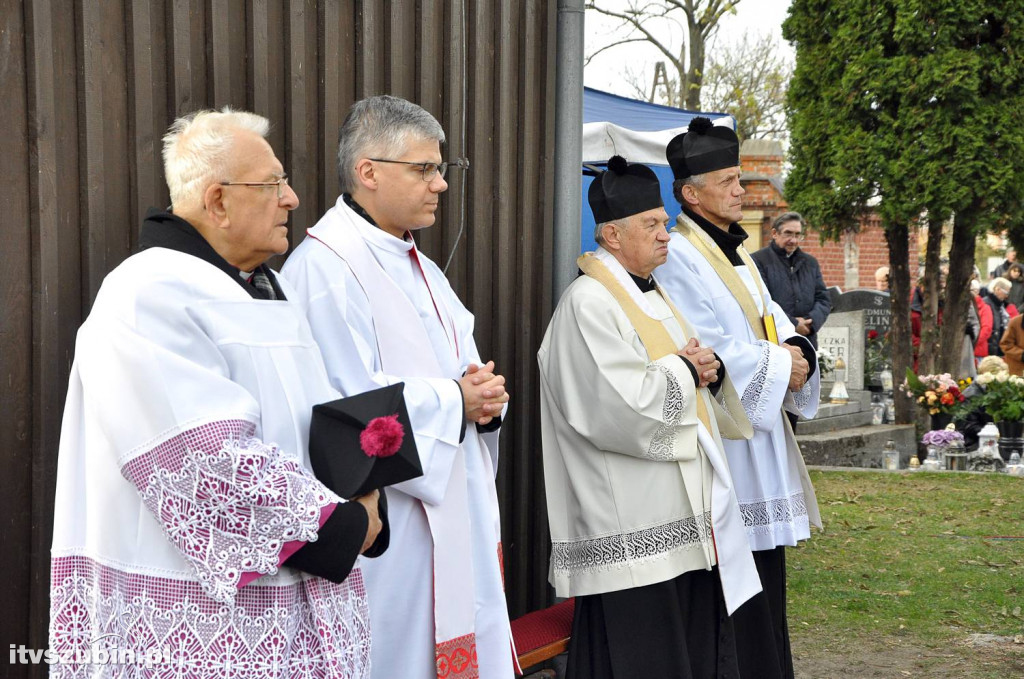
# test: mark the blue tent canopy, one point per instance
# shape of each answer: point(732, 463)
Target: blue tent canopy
point(636, 130)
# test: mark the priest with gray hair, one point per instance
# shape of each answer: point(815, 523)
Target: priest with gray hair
point(646, 530)
point(383, 312)
point(717, 286)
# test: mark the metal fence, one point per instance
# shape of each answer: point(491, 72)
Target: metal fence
point(90, 86)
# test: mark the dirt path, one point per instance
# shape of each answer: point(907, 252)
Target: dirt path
point(974, 658)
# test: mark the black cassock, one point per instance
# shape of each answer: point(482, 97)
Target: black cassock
point(677, 629)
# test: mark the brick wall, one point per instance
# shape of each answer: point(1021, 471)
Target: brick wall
point(762, 197)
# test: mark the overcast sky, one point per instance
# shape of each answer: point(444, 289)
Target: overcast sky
point(608, 70)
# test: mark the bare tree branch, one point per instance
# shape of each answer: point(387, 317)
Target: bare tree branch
point(701, 19)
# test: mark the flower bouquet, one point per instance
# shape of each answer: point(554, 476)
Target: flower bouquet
point(1002, 396)
point(938, 394)
point(942, 438)
point(826, 362)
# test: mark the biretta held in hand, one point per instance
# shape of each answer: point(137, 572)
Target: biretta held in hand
point(704, 147)
point(364, 442)
point(623, 190)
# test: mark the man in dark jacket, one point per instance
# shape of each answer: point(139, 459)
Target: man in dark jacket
point(793, 277)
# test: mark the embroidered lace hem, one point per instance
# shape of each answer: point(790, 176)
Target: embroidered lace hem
point(228, 502)
point(616, 551)
point(312, 629)
point(764, 516)
point(755, 396)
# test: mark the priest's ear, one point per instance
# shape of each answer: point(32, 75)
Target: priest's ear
point(611, 235)
point(366, 174)
point(687, 194)
point(215, 205)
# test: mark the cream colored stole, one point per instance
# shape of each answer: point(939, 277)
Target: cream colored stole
point(732, 423)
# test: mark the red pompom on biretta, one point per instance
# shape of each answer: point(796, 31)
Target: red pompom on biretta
point(382, 437)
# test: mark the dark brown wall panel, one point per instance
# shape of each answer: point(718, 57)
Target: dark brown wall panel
point(15, 330)
point(90, 89)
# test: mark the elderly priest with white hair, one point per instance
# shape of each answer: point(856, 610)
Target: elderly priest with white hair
point(645, 526)
point(189, 529)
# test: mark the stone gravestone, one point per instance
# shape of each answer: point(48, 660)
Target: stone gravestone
point(843, 336)
point(874, 304)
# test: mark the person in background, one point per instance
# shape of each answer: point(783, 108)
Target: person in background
point(973, 420)
point(1012, 345)
point(984, 320)
point(1015, 274)
point(1011, 257)
point(882, 278)
point(995, 297)
point(793, 277)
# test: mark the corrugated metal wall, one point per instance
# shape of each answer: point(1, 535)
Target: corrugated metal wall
point(90, 86)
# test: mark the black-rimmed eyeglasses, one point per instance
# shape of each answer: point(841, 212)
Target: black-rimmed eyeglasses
point(279, 183)
point(427, 169)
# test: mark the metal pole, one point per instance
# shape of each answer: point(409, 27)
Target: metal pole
point(568, 144)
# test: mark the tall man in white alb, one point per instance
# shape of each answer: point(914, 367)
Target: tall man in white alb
point(382, 312)
point(716, 285)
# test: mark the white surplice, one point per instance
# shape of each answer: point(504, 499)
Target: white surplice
point(775, 494)
point(381, 317)
point(638, 488)
point(183, 465)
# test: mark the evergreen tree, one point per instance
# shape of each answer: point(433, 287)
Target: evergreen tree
point(917, 106)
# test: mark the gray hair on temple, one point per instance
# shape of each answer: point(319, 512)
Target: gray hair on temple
point(381, 127)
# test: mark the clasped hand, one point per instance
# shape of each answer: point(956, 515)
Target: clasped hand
point(483, 393)
point(703, 360)
point(799, 370)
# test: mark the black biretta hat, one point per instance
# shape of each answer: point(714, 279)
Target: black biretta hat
point(623, 190)
point(364, 442)
point(704, 147)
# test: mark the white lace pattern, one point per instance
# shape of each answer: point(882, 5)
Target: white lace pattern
point(755, 396)
point(312, 629)
point(802, 398)
point(228, 502)
point(661, 448)
point(615, 551)
point(764, 515)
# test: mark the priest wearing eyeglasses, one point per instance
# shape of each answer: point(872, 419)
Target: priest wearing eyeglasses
point(382, 313)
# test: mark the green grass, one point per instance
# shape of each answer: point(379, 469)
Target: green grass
point(911, 559)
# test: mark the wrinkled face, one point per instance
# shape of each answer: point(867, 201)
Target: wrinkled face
point(640, 242)
point(1000, 294)
point(257, 220)
point(720, 200)
point(404, 201)
point(881, 281)
point(788, 236)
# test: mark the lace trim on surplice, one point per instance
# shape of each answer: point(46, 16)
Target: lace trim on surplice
point(310, 629)
point(763, 515)
point(615, 551)
point(228, 502)
point(755, 396)
point(661, 447)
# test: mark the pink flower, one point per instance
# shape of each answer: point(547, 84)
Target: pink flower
point(382, 437)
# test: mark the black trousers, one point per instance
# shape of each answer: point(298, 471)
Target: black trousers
point(762, 632)
point(677, 629)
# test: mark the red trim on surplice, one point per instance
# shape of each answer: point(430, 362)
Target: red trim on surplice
point(456, 659)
